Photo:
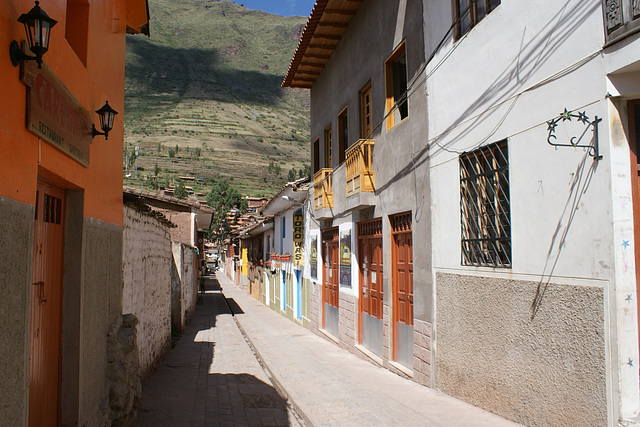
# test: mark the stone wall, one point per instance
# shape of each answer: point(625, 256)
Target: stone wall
point(146, 266)
point(542, 369)
point(125, 387)
point(315, 299)
point(422, 362)
point(348, 322)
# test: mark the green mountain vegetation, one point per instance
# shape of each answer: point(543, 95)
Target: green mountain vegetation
point(203, 99)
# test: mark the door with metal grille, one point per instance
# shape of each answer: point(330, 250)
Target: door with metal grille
point(46, 306)
point(330, 281)
point(331, 263)
point(370, 324)
point(402, 257)
point(370, 260)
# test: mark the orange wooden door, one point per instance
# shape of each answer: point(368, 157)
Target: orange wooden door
point(402, 258)
point(634, 148)
point(46, 306)
point(403, 278)
point(370, 256)
point(331, 261)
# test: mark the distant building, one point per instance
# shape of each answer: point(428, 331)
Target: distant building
point(270, 259)
point(190, 216)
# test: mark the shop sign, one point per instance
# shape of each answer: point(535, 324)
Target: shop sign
point(345, 258)
point(298, 239)
point(54, 114)
point(313, 257)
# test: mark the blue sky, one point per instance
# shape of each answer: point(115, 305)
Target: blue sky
point(280, 7)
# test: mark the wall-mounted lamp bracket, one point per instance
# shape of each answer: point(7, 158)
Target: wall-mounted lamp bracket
point(566, 115)
point(95, 132)
point(17, 55)
point(106, 115)
point(37, 26)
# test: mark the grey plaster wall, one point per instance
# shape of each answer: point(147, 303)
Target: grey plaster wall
point(101, 305)
point(549, 370)
point(16, 253)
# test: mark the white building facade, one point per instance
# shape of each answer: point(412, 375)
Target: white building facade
point(534, 256)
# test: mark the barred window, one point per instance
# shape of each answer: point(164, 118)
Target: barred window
point(485, 206)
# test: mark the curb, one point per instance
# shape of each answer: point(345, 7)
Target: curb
point(272, 377)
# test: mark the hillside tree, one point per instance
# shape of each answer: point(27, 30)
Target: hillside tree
point(179, 191)
point(228, 205)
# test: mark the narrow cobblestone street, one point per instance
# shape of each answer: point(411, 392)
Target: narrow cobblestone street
point(213, 377)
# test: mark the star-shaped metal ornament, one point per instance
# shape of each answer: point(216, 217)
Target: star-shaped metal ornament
point(565, 115)
point(625, 243)
point(582, 117)
point(628, 298)
point(590, 145)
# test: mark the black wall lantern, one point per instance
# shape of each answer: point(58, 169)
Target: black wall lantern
point(107, 115)
point(37, 25)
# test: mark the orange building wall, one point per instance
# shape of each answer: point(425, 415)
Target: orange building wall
point(22, 156)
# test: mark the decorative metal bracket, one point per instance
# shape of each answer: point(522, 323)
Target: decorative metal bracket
point(593, 150)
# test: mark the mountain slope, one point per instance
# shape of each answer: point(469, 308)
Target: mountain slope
point(207, 83)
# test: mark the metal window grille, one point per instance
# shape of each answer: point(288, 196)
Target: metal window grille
point(52, 210)
point(485, 206)
point(372, 227)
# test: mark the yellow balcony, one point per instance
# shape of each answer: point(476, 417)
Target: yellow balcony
point(360, 176)
point(323, 189)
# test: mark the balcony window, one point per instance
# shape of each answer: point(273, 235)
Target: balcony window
point(343, 134)
point(316, 155)
point(365, 112)
point(467, 13)
point(396, 86)
point(327, 147)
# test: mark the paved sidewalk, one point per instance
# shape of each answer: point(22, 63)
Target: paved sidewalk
point(330, 386)
point(211, 377)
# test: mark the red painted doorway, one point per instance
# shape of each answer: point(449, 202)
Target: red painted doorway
point(371, 268)
point(46, 306)
point(370, 302)
point(330, 280)
point(402, 263)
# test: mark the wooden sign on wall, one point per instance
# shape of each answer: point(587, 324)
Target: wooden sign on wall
point(54, 114)
point(298, 239)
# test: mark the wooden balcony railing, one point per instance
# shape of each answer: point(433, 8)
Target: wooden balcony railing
point(323, 189)
point(360, 176)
